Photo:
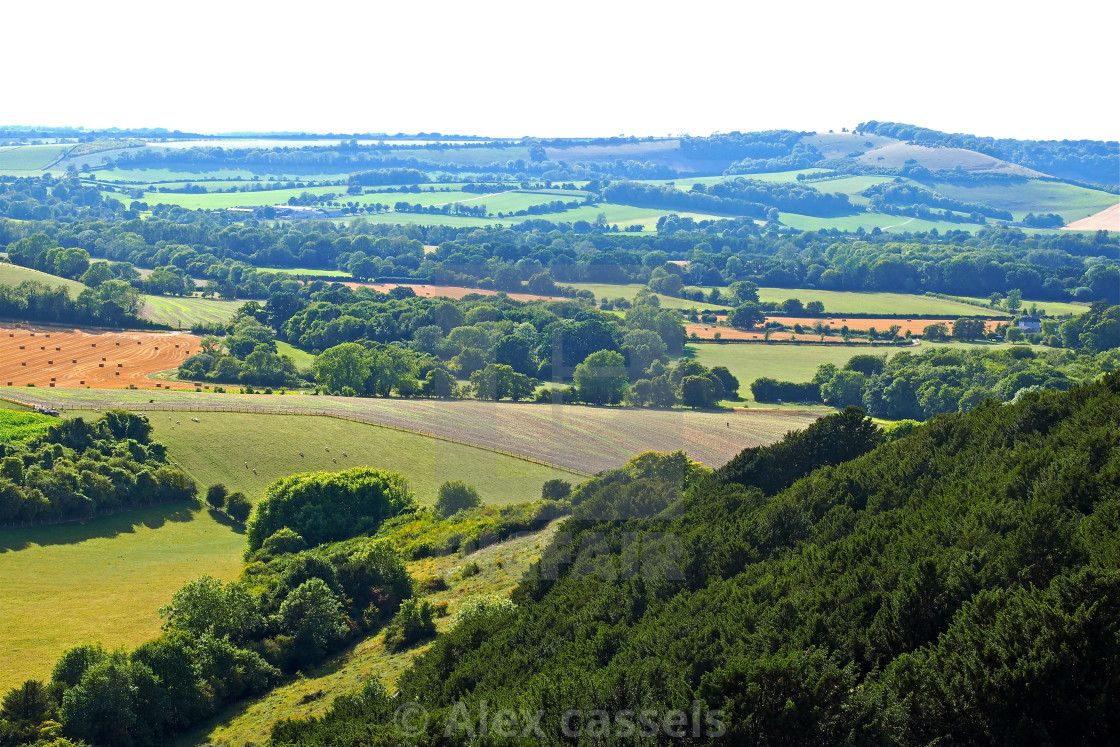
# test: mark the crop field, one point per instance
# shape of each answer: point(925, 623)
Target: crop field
point(913, 326)
point(308, 272)
point(501, 568)
point(1034, 195)
point(60, 357)
point(176, 311)
point(19, 425)
point(449, 291)
point(216, 448)
point(14, 275)
point(1106, 220)
point(101, 580)
point(584, 439)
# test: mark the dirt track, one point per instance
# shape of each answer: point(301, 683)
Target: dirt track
point(72, 358)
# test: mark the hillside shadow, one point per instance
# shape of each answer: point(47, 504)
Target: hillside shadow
point(102, 527)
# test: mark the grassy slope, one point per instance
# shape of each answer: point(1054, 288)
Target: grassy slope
point(501, 569)
point(302, 358)
point(216, 449)
point(587, 439)
point(175, 311)
point(100, 580)
point(30, 158)
point(14, 275)
point(1067, 200)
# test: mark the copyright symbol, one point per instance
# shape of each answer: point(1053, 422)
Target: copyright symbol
point(410, 719)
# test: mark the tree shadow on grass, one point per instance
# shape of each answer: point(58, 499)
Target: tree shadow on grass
point(102, 527)
point(222, 518)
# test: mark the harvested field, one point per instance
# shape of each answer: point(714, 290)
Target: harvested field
point(585, 439)
point(451, 291)
point(67, 358)
point(1107, 220)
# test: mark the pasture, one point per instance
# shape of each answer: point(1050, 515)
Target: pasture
point(23, 160)
point(870, 302)
point(580, 438)
point(100, 580)
point(797, 363)
point(182, 312)
point(302, 359)
point(629, 291)
point(58, 357)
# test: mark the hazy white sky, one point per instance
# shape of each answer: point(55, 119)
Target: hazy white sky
point(1007, 69)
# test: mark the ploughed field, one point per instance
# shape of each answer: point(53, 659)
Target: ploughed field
point(584, 439)
point(69, 358)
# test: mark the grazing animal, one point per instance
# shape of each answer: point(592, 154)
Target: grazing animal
point(246, 465)
point(344, 453)
point(334, 460)
point(254, 470)
point(301, 453)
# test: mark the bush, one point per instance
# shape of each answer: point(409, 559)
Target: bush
point(454, 496)
point(283, 541)
point(414, 622)
point(470, 569)
point(216, 495)
point(329, 506)
point(238, 506)
point(556, 490)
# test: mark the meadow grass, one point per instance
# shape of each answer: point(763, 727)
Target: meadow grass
point(15, 274)
point(101, 580)
point(105, 579)
point(629, 291)
point(1051, 308)
point(183, 312)
point(302, 358)
point(310, 272)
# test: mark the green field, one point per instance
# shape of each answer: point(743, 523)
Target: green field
point(835, 302)
point(1051, 308)
point(21, 159)
point(1033, 196)
point(309, 272)
point(14, 275)
point(18, 425)
point(303, 359)
point(797, 363)
point(100, 580)
point(853, 302)
point(216, 449)
point(182, 313)
point(869, 221)
point(104, 579)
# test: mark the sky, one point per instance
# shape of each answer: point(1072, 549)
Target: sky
point(508, 69)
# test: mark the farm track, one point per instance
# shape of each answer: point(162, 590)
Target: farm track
point(584, 439)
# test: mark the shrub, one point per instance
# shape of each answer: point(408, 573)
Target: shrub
point(454, 496)
point(414, 622)
point(283, 541)
point(556, 490)
point(238, 506)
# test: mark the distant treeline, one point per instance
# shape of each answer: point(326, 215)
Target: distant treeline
point(1085, 160)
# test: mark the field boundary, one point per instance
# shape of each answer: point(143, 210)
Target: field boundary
point(313, 413)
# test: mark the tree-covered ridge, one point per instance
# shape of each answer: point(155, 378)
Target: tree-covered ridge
point(1091, 161)
point(957, 584)
point(78, 469)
